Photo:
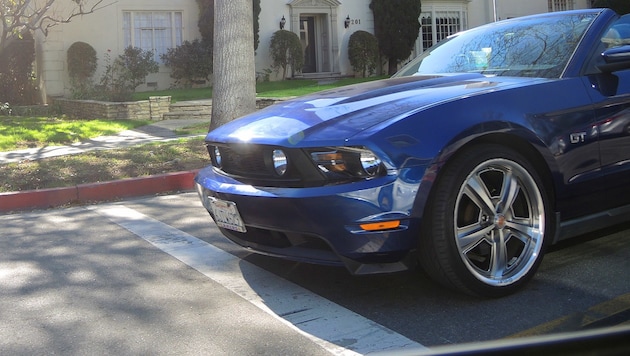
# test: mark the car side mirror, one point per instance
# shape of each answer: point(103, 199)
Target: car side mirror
point(615, 59)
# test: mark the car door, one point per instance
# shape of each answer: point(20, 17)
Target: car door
point(611, 98)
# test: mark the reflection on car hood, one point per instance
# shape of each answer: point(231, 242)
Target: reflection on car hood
point(338, 114)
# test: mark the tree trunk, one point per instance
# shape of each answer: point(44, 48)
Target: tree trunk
point(392, 66)
point(234, 71)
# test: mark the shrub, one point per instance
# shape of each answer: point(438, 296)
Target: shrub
point(125, 73)
point(286, 51)
point(82, 64)
point(620, 6)
point(81, 60)
point(363, 52)
point(5, 109)
point(396, 27)
point(206, 20)
point(190, 62)
point(17, 79)
point(257, 9)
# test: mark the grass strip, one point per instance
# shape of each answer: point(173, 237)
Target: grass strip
point(275, 89)
point(104, 165)
point(17, 132)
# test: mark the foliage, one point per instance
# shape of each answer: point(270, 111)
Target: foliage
point(206, 21)
point(126, 73)
point(5, 109)
point(620, 6)
point(363, 52)
point(396, 27)
point(257, 10)
point(189, 62)
point(286, 51)
point(81, 60)
point(82, 64)
point(17, 79)
point(264, 75)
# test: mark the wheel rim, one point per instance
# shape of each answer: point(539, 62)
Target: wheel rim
point(499, 222)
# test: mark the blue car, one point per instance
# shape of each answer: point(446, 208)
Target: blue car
point(472, 160)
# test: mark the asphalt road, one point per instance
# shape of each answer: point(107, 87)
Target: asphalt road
point(154, 276)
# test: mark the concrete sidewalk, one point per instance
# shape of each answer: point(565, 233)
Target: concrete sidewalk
point(159, 131)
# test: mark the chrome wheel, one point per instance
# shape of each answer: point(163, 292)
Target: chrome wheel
point(485, 229)
point(499, 221)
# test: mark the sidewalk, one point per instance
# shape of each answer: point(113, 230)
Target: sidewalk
point(159, 131)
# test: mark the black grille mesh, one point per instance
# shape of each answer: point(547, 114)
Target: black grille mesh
point(244, 162)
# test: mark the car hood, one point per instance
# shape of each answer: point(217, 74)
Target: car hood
point(338, 114)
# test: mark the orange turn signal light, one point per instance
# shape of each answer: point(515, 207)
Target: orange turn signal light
point(385, 225)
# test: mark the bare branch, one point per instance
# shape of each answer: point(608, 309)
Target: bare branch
point(22, 16)
point(47, 21)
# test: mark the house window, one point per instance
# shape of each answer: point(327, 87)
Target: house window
point(155, 31)
point(560, 5)
point(437, 25)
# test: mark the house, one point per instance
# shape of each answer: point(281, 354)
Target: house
point(324, 27)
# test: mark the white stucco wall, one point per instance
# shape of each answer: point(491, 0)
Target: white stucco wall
point(103, 31)
point(482, 11)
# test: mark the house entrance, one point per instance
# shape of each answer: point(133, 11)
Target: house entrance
point(309, 46)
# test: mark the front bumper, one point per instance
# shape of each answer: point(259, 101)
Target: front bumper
point(322, 225)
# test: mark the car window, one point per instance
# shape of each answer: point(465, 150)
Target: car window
point(527, 47)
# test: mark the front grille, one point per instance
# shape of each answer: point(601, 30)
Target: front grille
point(295, 246)
point(244, 162)
point(252, 164)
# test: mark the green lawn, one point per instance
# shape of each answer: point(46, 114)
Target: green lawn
point(17, 132)
point(277, 89)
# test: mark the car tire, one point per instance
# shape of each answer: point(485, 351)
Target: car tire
point(480, 235)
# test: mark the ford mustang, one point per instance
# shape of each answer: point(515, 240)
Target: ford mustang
point(472, 160)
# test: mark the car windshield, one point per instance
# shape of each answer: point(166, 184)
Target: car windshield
point(526, 47)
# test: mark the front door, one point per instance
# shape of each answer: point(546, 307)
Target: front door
point(612, 109)
point(307, 37)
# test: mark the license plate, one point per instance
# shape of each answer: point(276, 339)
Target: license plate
point(226, 215)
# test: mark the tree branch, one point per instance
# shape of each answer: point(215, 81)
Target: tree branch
point(21, 16)
point(52, 21)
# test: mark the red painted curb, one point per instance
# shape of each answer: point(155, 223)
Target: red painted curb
point(36, 199)
point(94, 192)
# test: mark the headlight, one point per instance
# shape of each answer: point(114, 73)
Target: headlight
point(370, 163)
point(357, 162)
point(217, 157)
point(280, 162)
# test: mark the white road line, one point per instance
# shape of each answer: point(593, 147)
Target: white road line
point(337, 329)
